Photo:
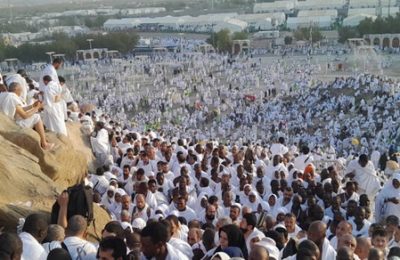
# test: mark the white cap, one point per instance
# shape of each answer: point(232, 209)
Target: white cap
point(270, 245)
point(138, 223)
point(221, 255)
point(126, 225)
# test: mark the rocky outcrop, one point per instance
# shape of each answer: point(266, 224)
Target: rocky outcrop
point(66, 164)
point(31, 177)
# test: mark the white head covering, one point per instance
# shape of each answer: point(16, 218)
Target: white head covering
point(270, 245)
point(139, 223)
point(221, 255)
point(120, 191)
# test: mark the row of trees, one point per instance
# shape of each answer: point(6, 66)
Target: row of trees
point(390, 24)
point(120, 41)
point(308, 34)
point(17, 27)
point(222, 40)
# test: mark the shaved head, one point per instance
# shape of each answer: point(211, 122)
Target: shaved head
point(317, 232)
point(344, 253)
point(347, 240)
point(342, 228)
point(363, 247)
point(259, 253)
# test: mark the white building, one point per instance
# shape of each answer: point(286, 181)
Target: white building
point(324, 22)
point(16, 39)
point(143, 11)
point(370, 3)
point(333, 13)
point(233, 25)
point(353, 21)
point(320, 4)
point(68, 30)
point(386, 11)
point(107, 11)
point(79, 13)
point(258, 22)
point(119, 24)
point(202, 23)
point(285, 6)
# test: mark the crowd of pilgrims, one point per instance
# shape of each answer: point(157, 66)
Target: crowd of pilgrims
point(318, 178)
point(207, 100)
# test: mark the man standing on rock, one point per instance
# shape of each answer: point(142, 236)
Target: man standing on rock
point(51, 70)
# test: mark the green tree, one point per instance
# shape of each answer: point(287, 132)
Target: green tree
point(240, 36)
point(288, 40)
point(123, 42)
point(346, 33)
point(221, 40)
point(389, 24)
point(305, 34)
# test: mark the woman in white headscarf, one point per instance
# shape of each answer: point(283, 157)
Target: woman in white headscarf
point(107, 200)
point(116, 207)
point(387, 201)
point(273, 205)
point(245, 194)
point(202, 201)
point(256, 203)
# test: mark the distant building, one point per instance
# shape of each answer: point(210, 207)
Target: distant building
point(70, 31)
point(143, 11)
point(200, 24)
point(258, 22)
point(17, 39)
point(354, 20)
point(286, 6)
point(233, 25)
point(324, 22)
point(371, 3)
point(386, 11)
point(320, 4)
point(387, 40)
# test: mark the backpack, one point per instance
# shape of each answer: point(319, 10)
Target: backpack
point(80, 203)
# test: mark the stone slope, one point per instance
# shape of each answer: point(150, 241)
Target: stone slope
point(31, 178)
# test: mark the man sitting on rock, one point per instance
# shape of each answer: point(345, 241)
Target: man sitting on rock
point(25, 116)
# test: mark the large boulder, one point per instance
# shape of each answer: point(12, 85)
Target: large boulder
point(24, 186)
point(66, 164)
point(31, 178)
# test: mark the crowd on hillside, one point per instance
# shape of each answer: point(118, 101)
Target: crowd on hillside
point(318, 178)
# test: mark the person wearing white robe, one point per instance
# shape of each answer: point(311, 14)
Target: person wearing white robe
point(279, 148)
point(100, 143)
point(107, 200)
point(304, 159)
point(387, 201)
point(317, 234)
point(184, 211)
point(53, 115)
point(363, 172)
point(66, 96)
point(20, 80)
point(50, 70)
point(32, 249)
point(256, 203)
point(25, 116)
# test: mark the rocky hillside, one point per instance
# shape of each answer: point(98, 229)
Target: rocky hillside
point(31, 178)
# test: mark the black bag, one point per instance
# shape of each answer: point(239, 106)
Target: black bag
point(80, 203)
